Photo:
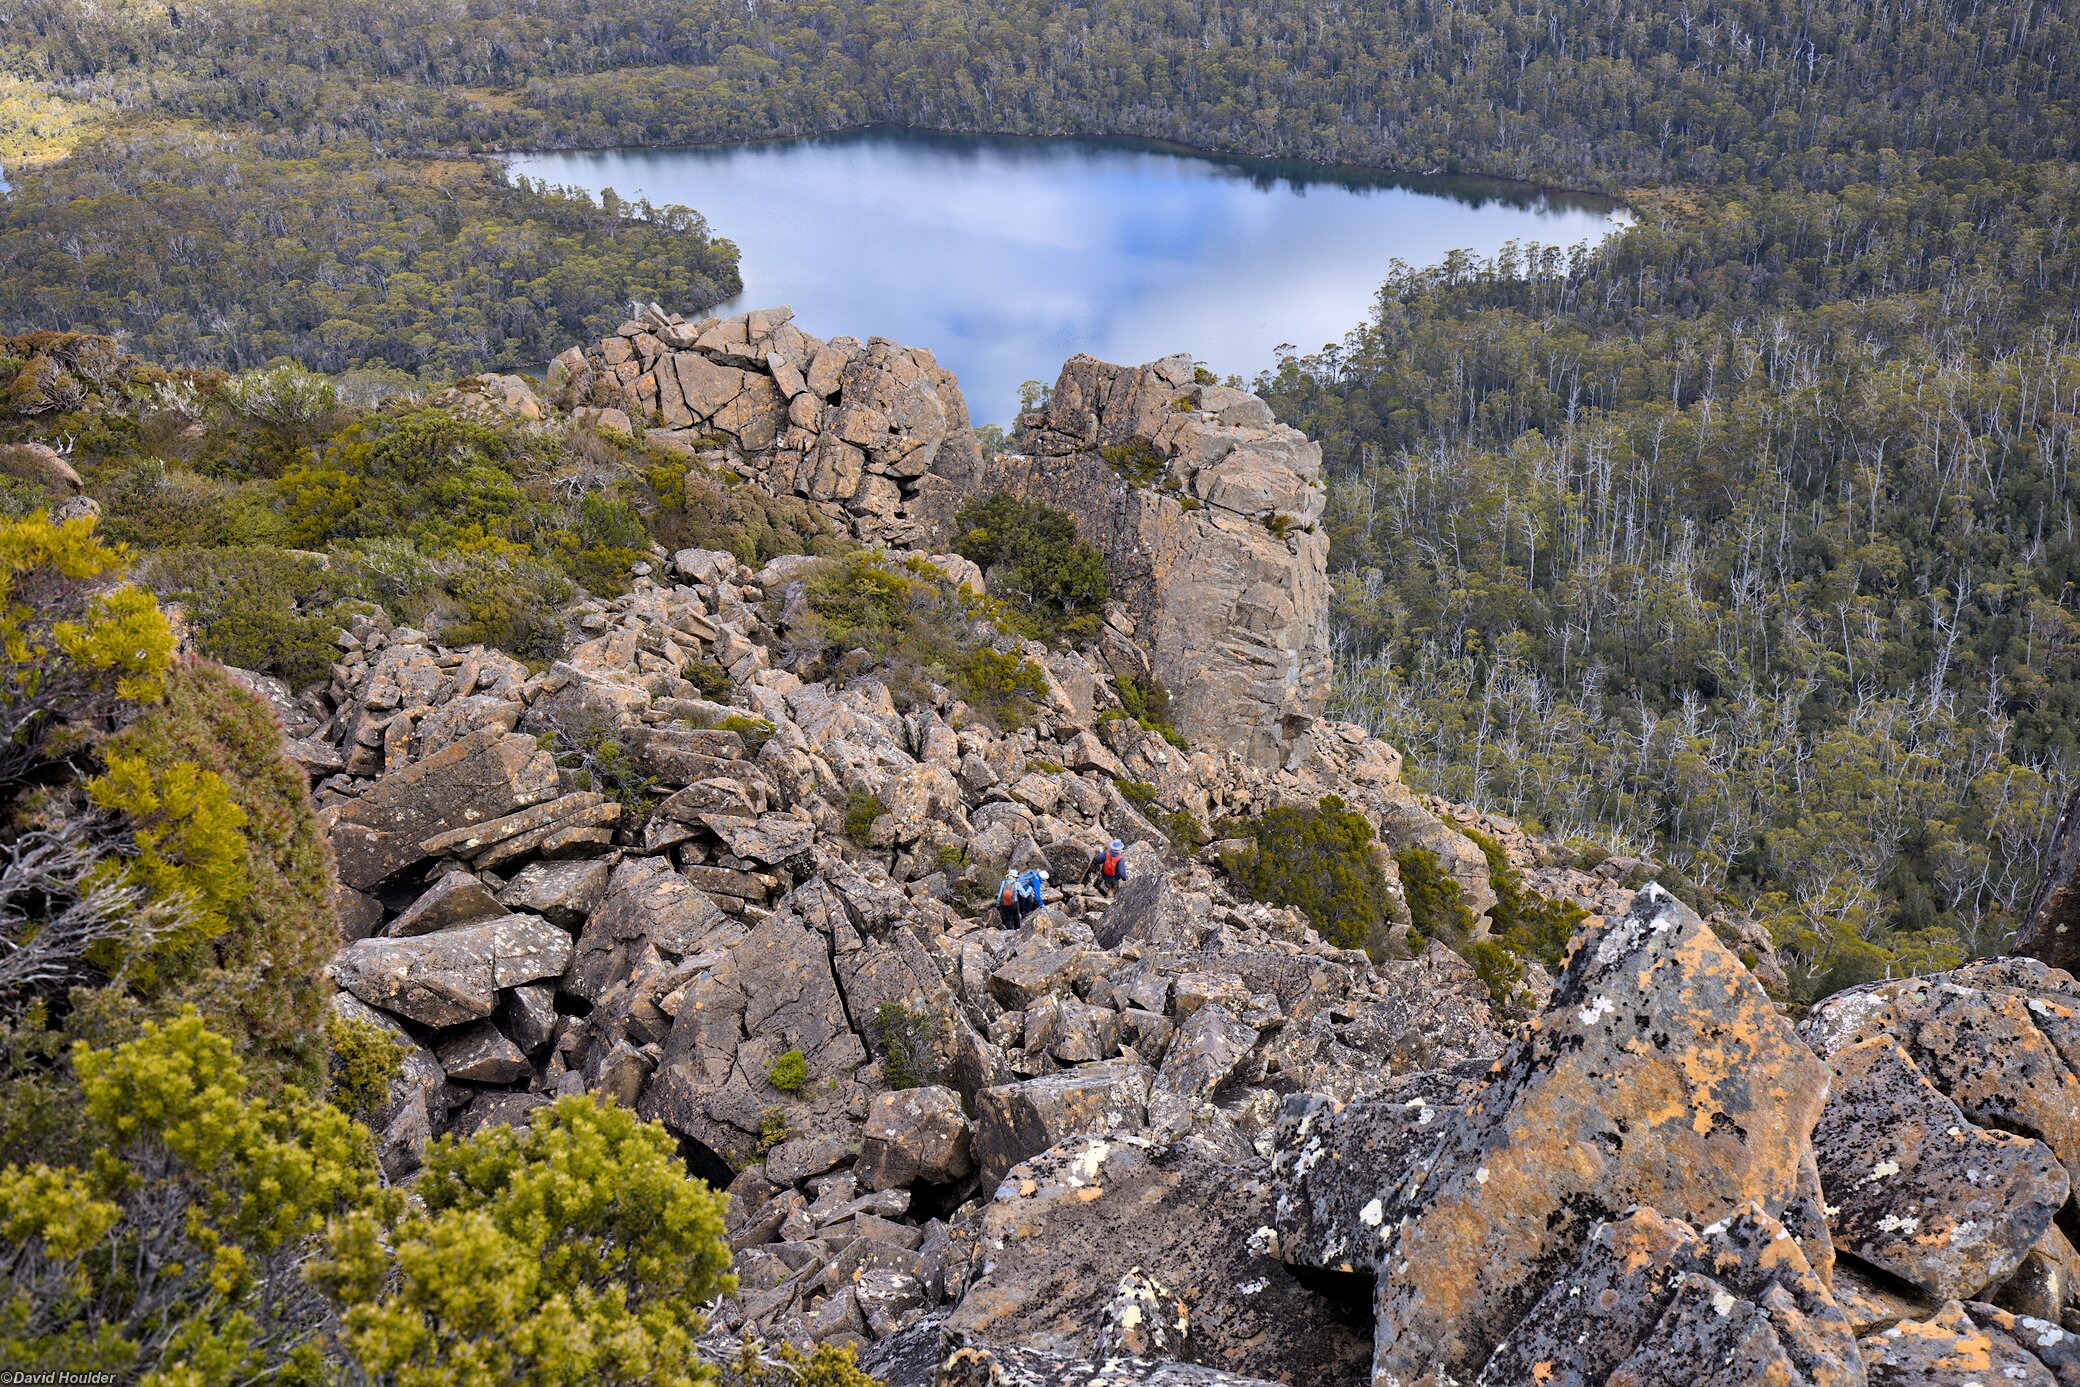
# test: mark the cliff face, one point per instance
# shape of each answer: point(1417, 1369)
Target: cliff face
point(1205, 509)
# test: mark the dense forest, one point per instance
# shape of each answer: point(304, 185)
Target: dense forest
point(1748, 540)
point(1745, 539)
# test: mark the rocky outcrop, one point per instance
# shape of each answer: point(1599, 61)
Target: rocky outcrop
point(1205, 509)
point(1167, 1135)
point(2050, 930)
point(876, 435)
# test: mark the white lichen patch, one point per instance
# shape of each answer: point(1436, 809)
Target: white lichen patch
point(1723, 1302)
point(1597, 1010)
point(1372, 1213)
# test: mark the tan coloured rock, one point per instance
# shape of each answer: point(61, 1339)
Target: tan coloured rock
point(1228, 595)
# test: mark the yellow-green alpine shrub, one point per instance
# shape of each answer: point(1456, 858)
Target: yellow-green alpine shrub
point(175, 1255)
point(257, 977)
point(575, 1250)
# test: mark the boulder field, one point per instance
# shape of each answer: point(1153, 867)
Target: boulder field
point(1167, 1136)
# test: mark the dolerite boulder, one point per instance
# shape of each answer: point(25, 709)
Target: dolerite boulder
point(1951, 1350)
point(1652, 1302)
point(1339, 1167)
point(1998, 1040)
point(1066, 1227)
point(1660, 1075)
point(1918, 1190)
point(485, 775)
point(453, 976)
point(770, 993)
point(913, 1136)
point(1016, 1121)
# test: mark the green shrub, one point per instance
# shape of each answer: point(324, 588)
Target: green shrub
point(574, 1249)
point(1435, 908)
point(1527, 923)
point(361, 1058)
point(258, 978)
point(917, 629)
point(861, 810)
point(753, 732)
point(1319, 860)
point(1033, 560)
point(258, 609)
point(781, 1364)
point(1136, 460)
point(1003, 685)
point(909, 1045)
point(1148, 703)
point(789, 1072)
point(707, 676)
point(175, 1255)
point(772, 1130)
point(696, 509)
point(594, 748)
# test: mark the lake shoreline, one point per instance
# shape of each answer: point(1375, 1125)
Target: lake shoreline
point(1502, 188)
point(1005, 255)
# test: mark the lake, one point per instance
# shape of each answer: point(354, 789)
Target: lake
point(1006, 256)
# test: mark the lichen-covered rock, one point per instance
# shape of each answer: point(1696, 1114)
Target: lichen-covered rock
point(1918, 1190)
point(1998, 1038)
point(1016, 1121)
point(1650, 1300)
point(2056, 1348)
point(1661, 1075)
point(1949, 1350)
point(1066, 1227)
point(917, 1135)
point(1342, 1171)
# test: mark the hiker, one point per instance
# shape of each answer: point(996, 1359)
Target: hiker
point(1111, 866)
point(1019, 896)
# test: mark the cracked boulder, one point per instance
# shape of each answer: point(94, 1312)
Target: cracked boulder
point(914, 1136)
point(486, 775)
point(1661, 1075)
point(772, 992)
point(1017, 1121)
point(1338, 1169)
point(1651, 1302)
point(1918, 1190)
point(454, 976)
point(1068, 1228)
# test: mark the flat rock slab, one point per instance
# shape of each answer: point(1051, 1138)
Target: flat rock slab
point(1660, 1075)
point(1917, 1189)
point(1950, 1350)
point(486, 775)
point(454, 976)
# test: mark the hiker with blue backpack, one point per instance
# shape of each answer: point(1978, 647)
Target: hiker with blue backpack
point(1019, 896)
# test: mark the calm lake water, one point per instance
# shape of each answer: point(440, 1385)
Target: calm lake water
point(1005, 256)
